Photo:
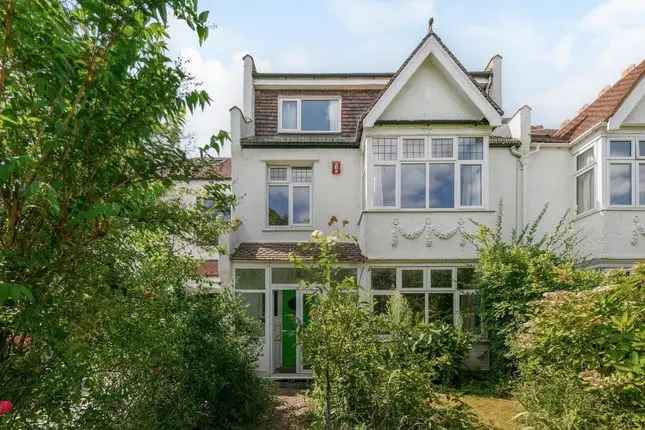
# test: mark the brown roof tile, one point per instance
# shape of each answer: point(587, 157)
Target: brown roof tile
point(216, 168)
point(605, 105)
point(280, 251)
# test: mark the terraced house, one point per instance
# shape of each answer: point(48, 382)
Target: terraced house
point(409, 158)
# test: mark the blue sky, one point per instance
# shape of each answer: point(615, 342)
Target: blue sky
point(557, 54)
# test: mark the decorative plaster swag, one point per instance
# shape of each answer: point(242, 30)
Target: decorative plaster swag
point(431, 231)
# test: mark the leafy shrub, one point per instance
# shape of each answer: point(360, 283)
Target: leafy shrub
point(513, 273)
point(137, 354)
point(582, 357)
point(374, 371)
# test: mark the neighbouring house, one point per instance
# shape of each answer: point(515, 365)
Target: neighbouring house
point(192, 193)
point(409, 158)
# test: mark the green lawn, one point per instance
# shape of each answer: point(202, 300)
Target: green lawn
point(293, 408)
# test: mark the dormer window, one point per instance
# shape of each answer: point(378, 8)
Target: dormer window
point(309, 115)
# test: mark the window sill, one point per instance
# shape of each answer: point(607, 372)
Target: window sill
point(456, 210)
point(288, 228)
point(308, 132)
point(609, 209)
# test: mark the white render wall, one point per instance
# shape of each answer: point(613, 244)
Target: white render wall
point(333, 195)
point(429, 95)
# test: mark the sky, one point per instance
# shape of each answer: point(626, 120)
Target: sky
point(557, 54)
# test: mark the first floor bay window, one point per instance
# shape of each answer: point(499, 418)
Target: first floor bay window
point(585, 181)
point(626, 172)
point(289, 196)
point(427, 172)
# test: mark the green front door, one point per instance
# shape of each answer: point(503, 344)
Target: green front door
point(289, 328)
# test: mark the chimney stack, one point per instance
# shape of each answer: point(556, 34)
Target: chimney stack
point(495, 87)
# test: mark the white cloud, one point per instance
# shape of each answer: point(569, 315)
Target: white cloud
point(381, 16)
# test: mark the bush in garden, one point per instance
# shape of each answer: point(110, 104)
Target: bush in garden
point(513, 273)
point(582, 357)
point(373, 371)
point(138, 354)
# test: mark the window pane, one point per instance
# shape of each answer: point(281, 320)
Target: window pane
point(417, 303)
point(641, 184)
point(384, 279)
point(585, 191)
point(380, 304)
point(413, 185)
point(278, 205)
point(413, 148)
point(469, 313)
point(301, 209)
point(620, 184)
point(442, 148)
point(319, 115)
point(412, 279)
point(585, 159)
point(384, 149)
point(471, 148)
point(384, 186)
point(284, 275)
point(441, 278)
point(471, 185)
point(641, 148)
point(301, 174)
point(440, 308)
point(278, 174)
point(254, 303)
point(442, 185)
point(466, 279)
point(249, 279)
point(290, 115)
point(340, 274)
point(620, 148)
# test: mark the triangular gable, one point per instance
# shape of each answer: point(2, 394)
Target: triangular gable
point(632, 110)
point(431, 45)
point(430, 94)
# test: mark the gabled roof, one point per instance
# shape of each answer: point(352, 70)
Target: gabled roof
point(604, 107)
point(410, 65)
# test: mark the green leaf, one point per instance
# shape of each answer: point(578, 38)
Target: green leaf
point(14, 292)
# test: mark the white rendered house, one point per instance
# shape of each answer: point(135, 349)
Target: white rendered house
point(408, 158)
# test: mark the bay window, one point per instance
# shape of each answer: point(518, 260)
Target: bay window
point(444, 294)
point(289, 197)
point(250, 286)
point(585, 181)
point(626, 172)
point(309, 115)
point(427, 172)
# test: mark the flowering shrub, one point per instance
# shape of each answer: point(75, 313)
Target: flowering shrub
point(582, 357)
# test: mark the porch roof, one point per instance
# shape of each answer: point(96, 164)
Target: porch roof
point(280, 251)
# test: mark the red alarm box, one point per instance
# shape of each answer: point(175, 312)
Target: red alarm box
point(335, 167)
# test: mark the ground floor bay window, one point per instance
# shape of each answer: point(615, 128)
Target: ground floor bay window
point(446, 294)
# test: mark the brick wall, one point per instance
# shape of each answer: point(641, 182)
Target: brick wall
point(353, 104)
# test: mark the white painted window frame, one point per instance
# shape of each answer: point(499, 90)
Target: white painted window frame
point(584, 170)
point(428, 160)
point(299, 100)
point(291, 184)
point(427, 289)
point(635, 160)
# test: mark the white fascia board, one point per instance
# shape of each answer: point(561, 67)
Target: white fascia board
point(431, 46)
point(367, 83)
point(628, 105)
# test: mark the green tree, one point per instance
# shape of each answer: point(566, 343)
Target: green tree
point(94, 321)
